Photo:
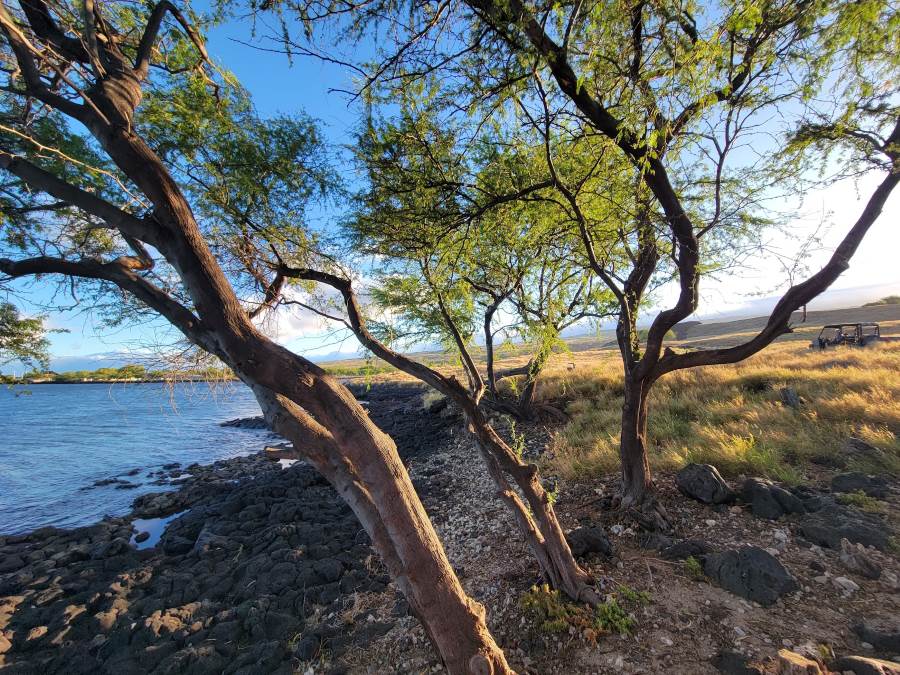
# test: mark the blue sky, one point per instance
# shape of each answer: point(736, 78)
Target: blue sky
point(280, 86)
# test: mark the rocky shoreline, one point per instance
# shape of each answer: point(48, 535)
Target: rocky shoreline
point(253, 577)
point(260, 568)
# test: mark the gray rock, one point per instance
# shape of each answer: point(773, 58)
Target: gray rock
point(258, 422)
point(790, 398)
point(685, 549)
point(855, 481)
point(856, 558)
point(857, 448)
point(734, 663)
point(329, 569)
point(704, 483)
point(768, 500)
point(308, 648)
point(11, 563)
point(590, 539)
point(751, 573)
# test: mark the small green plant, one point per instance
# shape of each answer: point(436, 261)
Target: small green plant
point(635, 597)
point(694, 569)
point(861, 500)
point(518, 440)
point(549, 611)
point(611, 617)
point(825, 652)
point(553, 494)
point(554, 615)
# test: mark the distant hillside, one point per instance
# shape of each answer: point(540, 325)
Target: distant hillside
point(876, 313)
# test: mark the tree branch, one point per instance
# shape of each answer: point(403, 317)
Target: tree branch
point(124, 273)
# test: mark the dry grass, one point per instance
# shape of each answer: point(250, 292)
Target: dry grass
point(732, 416)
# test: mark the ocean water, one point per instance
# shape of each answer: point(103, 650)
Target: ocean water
point(57, 439)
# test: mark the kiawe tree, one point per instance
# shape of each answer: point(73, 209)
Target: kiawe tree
point(711, 105)
point(419, 214)
point(106, 209)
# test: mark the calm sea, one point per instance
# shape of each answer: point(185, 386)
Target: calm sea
point(57, 439)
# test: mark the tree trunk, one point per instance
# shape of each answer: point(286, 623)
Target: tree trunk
point(371, 478)
point(638, 492)
point(536, 518)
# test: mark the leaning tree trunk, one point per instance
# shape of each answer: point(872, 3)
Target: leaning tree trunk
point(536, 517)
point(366, 470)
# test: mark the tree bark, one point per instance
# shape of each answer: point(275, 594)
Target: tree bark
point(636, 481)
point(400, 531)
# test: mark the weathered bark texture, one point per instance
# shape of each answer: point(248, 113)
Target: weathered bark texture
point(299, 399)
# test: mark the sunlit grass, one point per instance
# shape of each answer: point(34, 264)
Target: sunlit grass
point(732, 416)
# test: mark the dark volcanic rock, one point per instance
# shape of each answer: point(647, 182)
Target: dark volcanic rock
point(260, 560)
point(591, 539)
point(704, 483)
point(768, 500)
point(751, 573)
point(257, 422)
point(734, 663)
point(884, 640)
point(874, 486)
point(685, 549)
point(835, 522)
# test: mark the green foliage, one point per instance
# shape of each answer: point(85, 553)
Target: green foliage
point(553, 614)
point(22, 338)
point(694, 569)
point(633, 596)
point(861, 500)
point(612, 618)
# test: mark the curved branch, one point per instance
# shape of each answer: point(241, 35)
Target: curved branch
point(124, 273)
point(794, 298)
point(145, 48)
point(449, 386)
point(44, 181)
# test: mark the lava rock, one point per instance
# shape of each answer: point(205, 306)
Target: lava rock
point(855, 481)
point(767, 500)
point(258, 422)
point(856, 558)
point(704, 483)
point(308, 648)
point(751, 573)
point(835, 522)
point(856, 448)
point(884, 640)
point(734, 663)
point(685, 549)
point(590, 539)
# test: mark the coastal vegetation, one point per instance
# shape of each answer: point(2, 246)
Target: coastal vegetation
point(522, 169)
point(22, 339)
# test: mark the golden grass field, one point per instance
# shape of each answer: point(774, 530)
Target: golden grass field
point(732, 416)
